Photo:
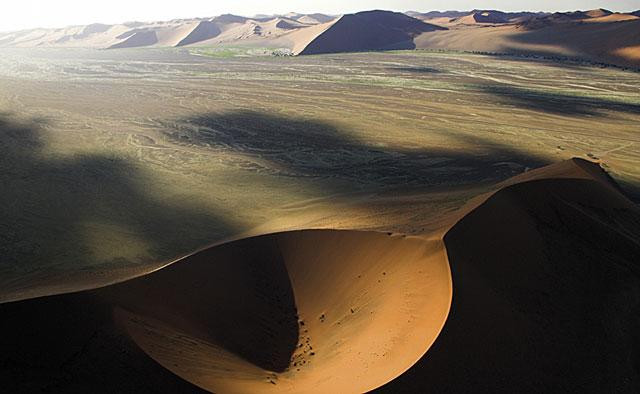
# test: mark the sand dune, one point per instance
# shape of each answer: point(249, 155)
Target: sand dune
point(546, 290)
point(596, 42)
point(630, 53)
point(597, 13)
point(310, 19)
point(298, 40)
point(223, 29)
point(300, 33)
point(318, 311)
point(487, 17)
point(579, 17)
point(170, 33)
point(597, 35)
point(453, 18)
point(229, 19)
point(300, 312)
point(137, 39)
point(612, 18)
point(437, 14)
point(204, 31)
point(315, 18)
point(267, 32)
point(373, 30)
point(288, 24)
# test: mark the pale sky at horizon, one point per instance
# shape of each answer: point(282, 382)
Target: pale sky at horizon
point(25, 14)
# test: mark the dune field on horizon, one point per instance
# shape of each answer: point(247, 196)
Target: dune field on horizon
point(302, 203)
point(597, 36)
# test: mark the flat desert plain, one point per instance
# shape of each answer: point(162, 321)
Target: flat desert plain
point(179, 219)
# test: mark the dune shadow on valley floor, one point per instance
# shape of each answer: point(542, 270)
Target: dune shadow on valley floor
point(84, 212)
point(76, 221)
point(332, 159)
point(52, 206)
point(559, 103)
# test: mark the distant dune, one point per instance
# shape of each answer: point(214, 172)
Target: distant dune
point(491, 17)
point(546, 290)
point(599, 35)
point(204, 31)
point(437, 14)
point(597, 13)
point(372, 30)
point(612, 18)
point(221, 30)
point(138, 39)
point(474, 16)
point(602, 38)
point(315, 18)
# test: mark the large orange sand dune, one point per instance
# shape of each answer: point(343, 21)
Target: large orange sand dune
point(546, 294)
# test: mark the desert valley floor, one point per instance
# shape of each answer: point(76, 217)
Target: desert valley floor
point(116, 163)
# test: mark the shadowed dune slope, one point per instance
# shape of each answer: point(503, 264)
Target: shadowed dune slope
point(371, 30)
point(94, 28)
point(205, 30)
point(137, 39)
point(546, 280)
point(72, 344)
point(488, 17)
point(546, 297)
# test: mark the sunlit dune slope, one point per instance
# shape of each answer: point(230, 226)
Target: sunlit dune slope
point(301, 312)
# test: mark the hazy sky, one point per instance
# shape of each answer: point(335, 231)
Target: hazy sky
point(21, 14)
